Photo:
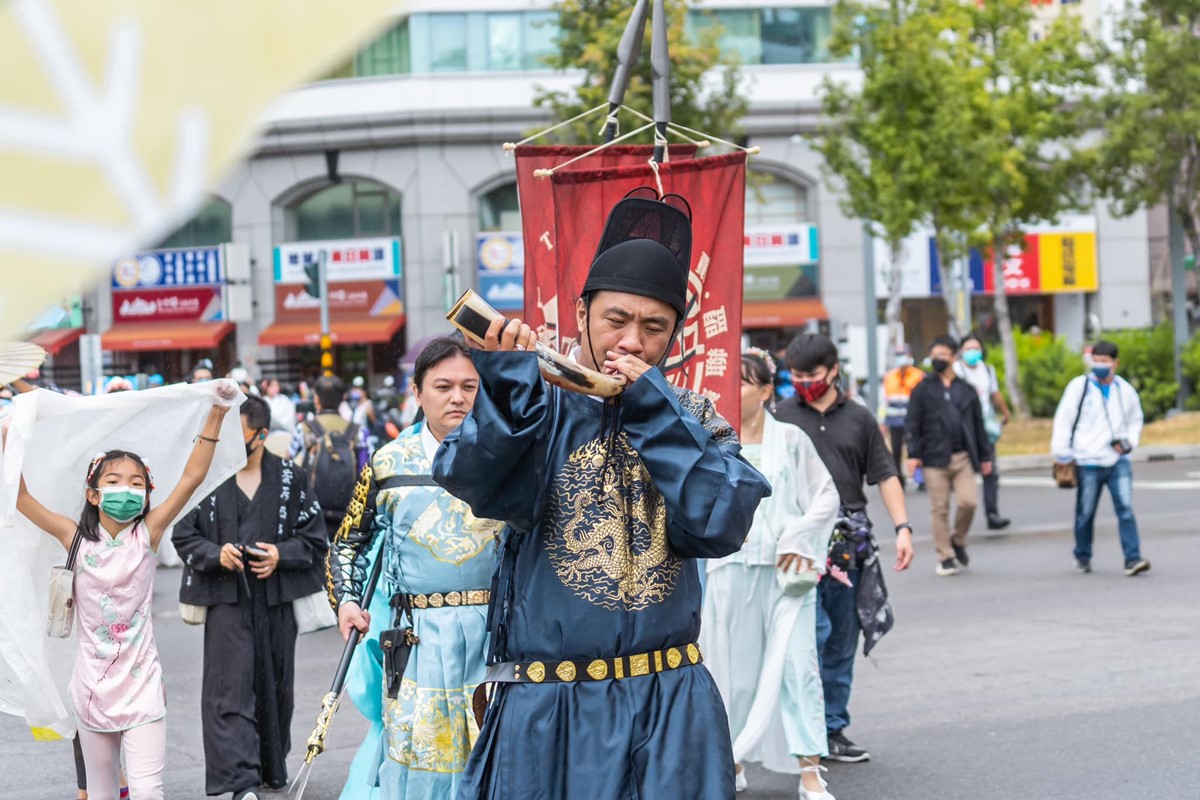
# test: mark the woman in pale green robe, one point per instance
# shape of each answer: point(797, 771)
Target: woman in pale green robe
point(760, 643)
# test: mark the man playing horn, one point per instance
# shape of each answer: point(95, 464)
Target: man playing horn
point(598, 686)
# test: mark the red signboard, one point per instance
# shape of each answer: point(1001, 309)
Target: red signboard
point(1021, 272)
point(707, 359)
point(356, 298)
point(537, 218)
point(179, 304)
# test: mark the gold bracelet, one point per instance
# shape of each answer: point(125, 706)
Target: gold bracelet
point(200, 437)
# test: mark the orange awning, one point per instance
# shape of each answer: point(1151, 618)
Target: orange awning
point(354, 330)
point(783, 313)
point(165, 336)
point(55, 339)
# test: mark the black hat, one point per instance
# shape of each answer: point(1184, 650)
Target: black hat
point(646, 249)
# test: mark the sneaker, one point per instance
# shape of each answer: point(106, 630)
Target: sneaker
point(945, 569)
point(1082, 566)
point(246, 794)
point(844, 750)
point(960, 555)
point(1136, 566)
point(996, 522)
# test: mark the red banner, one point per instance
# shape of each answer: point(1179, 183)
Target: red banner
point(180, 304)
point(537, 217)
point(707, 358)
point(1021, 269)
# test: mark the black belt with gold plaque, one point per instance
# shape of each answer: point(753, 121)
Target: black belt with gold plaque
point(597, 669)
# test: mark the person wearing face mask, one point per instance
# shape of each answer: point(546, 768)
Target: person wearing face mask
point(982, 376)
point(898, 384)
point(1097, 425)
point(249, 549)
point(947, 439)
point(117, 688)
point(849, 441)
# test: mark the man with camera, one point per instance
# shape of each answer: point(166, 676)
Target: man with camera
point(1096, 426)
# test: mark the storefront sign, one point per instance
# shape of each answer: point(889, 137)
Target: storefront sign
point(500, 259)
point(168, 305)
point(781, 245)
point(191, 266)
point(781, 262)
point(357, 298)
point(346, 260)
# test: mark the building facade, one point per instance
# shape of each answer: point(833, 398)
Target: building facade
point(393, 167)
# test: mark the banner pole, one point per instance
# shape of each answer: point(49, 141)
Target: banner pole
point(627, 55)
point(660, 62)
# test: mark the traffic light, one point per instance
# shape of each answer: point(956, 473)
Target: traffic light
point(313, 271)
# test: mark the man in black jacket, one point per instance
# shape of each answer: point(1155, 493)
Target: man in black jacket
point(946, 437)
point(249, 549)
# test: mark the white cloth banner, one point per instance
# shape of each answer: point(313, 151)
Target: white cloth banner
point(52, 440)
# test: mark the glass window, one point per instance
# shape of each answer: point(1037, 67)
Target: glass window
point(740, 31)
point(448, 42)
point(775, 201)
point(348, 210)
point(504, 41)
point(212, 225)
point(541, 30)
point(499, 210)
point(387, 55)
point(796, 35)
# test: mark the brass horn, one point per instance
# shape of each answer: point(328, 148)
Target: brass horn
point(472, 315)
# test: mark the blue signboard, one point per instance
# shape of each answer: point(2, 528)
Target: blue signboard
point(501, 264)
point(935, 279)
point(191, 266)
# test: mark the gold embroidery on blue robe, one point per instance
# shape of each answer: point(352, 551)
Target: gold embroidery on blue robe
point(608, 526)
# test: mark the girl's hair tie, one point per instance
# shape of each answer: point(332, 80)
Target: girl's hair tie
point(96, 462)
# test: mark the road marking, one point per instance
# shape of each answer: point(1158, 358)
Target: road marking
point(1040, 482)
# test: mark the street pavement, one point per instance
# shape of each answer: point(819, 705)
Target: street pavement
point(1016, 679)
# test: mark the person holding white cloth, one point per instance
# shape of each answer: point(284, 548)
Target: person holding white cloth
point(760, 611)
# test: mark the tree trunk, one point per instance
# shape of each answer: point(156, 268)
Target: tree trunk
point(1012, 377)
point(895, 295)
point(942, 242)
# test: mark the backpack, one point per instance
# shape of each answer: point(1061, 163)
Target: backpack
point(332, 467)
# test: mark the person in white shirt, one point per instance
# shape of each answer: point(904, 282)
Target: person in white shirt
point(982, 376)
point(1097, 425)
point(283, 410)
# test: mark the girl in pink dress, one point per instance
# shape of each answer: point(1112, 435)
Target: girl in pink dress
point(117, 686)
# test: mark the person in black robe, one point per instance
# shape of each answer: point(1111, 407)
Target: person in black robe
point(249, 549)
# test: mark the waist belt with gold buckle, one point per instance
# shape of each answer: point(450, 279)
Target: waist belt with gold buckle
point(599, 669)
point(472, 597)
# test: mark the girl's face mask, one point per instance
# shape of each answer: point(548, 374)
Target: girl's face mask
point(122, 503)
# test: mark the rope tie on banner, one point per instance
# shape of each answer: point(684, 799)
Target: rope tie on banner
point(670, 127)
point(750, 150)
point(611, 119)
point(657, 177)
point(511, 146)
point(546, 173)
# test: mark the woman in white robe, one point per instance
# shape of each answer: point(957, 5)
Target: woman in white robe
point(760, 640)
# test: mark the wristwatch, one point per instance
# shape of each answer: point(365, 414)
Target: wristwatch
point(903, 525)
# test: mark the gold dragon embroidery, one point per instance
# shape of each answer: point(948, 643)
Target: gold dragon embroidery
point(608, 527)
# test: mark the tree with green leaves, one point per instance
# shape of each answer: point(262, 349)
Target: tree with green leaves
point(703, 97)
point(884, 137)
point(1151, 146)
point(1025, 149)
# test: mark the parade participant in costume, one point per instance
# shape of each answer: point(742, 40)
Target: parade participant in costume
point(117, 687)
point(760, 628)
point(439, 560)
point(598, 686)
point(251, 548)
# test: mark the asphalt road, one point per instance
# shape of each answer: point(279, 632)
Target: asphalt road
point(1016, 679)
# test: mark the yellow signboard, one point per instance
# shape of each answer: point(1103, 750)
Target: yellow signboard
point(1068, 262)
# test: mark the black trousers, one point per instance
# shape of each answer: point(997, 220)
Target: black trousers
point(248, 692)
point(991, 491)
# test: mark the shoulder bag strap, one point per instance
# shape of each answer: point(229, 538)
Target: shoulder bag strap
point(1078, 412)
point(74, 549)
point(397, 481)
